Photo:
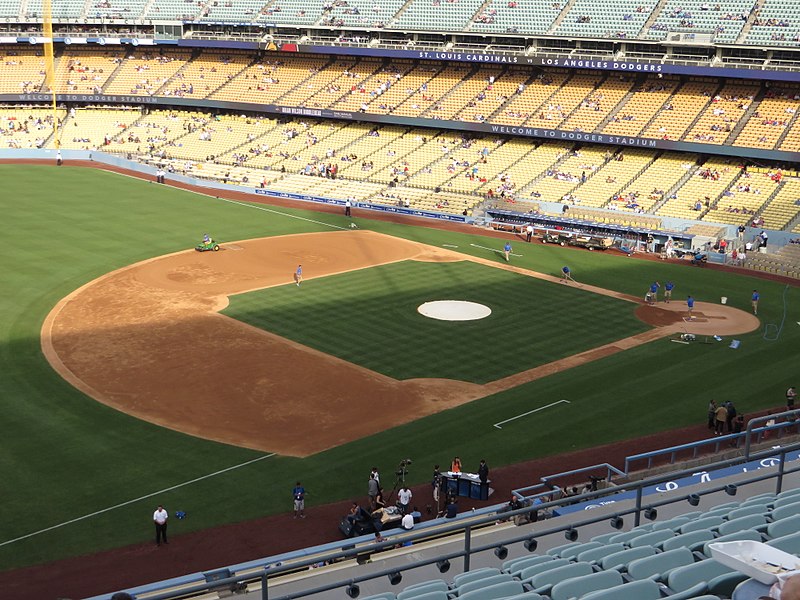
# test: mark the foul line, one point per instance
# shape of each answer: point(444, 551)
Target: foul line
point(530, 412)
point(275, 212)
point(169, 489)
point(493, 249)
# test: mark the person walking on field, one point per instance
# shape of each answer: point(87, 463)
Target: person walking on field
point(160, 517)
point(690, 306)
point(668, 286)
point(754, 301)
point(299, 495)
point(507, 250)
point(528, 233)
point(298, 275)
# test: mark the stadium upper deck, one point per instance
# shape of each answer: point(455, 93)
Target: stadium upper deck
point(745, 22)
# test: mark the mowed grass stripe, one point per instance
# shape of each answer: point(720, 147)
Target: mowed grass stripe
point(369, 317)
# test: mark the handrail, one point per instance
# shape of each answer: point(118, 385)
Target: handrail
point(272, 566)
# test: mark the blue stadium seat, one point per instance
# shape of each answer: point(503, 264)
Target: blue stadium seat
point(575, 550)
point(701, 523)
point(746, 511)
point(559, 549)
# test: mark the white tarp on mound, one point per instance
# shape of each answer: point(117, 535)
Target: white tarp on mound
point(454, 310)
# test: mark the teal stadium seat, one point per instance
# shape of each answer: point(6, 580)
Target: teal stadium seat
point(559, 549)
point(748, 522)
point(463, 578)
point(437, 595)
point(787, 543)
point(483, 582)
point(413, 591)
point(690, 540)
point(693, 579)
point(493, 592)
point(382, 596)
point(529, 561)
point(577, 587)
point(620, 560)
point(702, 523)
point(786, 510)
point(543, 582)
point(657, 565)
point(646, 589)
point(597, 554)
point(529, 573)
point(652, 539)
point(782, 527)
point(575, 550)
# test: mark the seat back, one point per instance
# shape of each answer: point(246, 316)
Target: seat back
point(492, 592)
point(529, 572)
point(646, 589)
point(519, 564)
point(644, 568)
point(785, 510)
point(748, 522)
point(474, 574)
point(689, 576)
point(785, 526)
point(425, 587)
point(620, 560)
point(483, 582)
point(575, 550)
point(787, 543)
point(382, 596)
point(701, 523)
point(652, 538)
point(673, 523)
point(554, 576)
point(576, 587)
point(559, 549)
point(687, 540)
point(437, 595)
point(596, 554)
point(750, 509)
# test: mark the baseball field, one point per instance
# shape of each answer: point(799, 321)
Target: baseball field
point(136, 372)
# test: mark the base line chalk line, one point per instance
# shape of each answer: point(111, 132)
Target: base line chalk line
point(530, 412)
point(145, 497)
point(492, 249)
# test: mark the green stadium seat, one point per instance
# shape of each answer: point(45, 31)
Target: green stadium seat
point(688, 540)
point(529, 573)
point(483, 582)
point(493, 592)
point(694, 578)
point(575, 550)
point(620, 560)
point(786, 510)
point(412, 591)
point(787, 543)
point(653, 538)
point(748, 522)
point(520, 564)
point(782, 527)
point(596, 554)
point(702, 523)
point(543, 582)
point(474, 574)
point(658, 565)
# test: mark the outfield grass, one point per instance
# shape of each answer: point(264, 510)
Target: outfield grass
point(65, 455)
point(369, 317)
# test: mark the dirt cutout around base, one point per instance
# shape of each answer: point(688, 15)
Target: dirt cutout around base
point(148, 340)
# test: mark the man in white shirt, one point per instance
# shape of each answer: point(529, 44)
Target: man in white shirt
point(407, 522)
point(160, 519)
point(404, 498)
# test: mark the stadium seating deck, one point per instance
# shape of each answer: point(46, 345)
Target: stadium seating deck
point(619, 20)
point(144, 72)
point(725, 19)
point(23, 70)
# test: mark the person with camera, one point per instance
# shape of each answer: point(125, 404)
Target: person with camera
point(404, 499)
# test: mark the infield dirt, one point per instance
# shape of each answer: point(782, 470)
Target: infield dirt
point(148, 340)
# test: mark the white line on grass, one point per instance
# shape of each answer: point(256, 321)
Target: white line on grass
point(121, 504)
point(449, 246)
point(530, 412)
point(492, 249)
point(276, 212)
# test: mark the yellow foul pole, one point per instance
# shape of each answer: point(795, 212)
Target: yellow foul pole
point(49, 62)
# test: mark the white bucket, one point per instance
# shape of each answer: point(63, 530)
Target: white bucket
point(724, 300)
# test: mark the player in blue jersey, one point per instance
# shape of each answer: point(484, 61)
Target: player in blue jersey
point(298, 275)
point(754, 301)
point(507, 250)
point(668, 286)
point(566, 274)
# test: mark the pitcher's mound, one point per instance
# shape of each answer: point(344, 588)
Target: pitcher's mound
point(454, 310)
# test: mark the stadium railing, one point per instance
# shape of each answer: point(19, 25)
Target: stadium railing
point(778, 463)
